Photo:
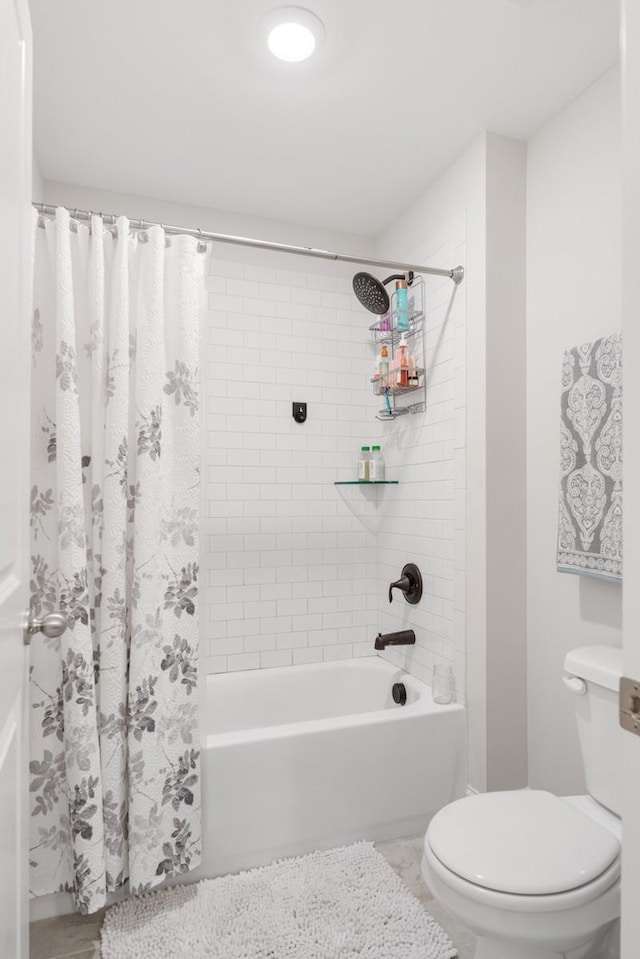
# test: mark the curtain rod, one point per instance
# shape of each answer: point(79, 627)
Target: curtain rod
point(457, 274)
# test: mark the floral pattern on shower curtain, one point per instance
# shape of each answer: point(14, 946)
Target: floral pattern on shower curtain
point(115, 782)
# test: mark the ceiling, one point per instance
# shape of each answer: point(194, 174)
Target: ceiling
point(177, 99)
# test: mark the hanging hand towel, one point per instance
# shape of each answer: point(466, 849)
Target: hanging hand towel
point(590, 508)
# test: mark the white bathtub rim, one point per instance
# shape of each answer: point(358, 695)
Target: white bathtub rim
point(372, 660)
point(423, 705)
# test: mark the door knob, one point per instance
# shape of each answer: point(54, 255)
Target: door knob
point(52, 625)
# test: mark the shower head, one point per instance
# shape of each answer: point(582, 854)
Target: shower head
point(371, 291)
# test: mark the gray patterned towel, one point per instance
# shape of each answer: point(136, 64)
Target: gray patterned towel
point(590, 509)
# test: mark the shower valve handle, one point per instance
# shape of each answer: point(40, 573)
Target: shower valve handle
point(403, 583)
point(410, 583)
point(52, 625)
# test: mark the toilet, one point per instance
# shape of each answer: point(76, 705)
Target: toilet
point(534, 875)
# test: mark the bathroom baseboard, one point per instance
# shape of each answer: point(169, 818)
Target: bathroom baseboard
point(61, 904)
point(51, 905)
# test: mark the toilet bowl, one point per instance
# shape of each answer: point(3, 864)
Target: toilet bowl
point(532, 875)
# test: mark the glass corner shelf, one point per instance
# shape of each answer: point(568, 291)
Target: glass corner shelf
point(366, 482)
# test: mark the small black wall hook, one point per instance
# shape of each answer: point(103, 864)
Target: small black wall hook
point(299, 412)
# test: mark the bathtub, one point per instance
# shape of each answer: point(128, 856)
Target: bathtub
point(300, 758)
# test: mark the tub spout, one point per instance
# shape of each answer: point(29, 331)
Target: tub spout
point(404, 637)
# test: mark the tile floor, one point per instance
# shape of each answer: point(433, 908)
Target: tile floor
point(68, 936)
point(78, 937)
point(404, 856)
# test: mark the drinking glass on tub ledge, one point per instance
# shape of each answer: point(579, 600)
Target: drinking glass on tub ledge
point(442, 684)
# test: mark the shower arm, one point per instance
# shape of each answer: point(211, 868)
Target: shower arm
point(110, 219)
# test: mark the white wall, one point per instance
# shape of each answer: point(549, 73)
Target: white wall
point(505, 533)
point(630, 779)
point(425, 521)
point(574, 295)
point(37, 184)
point(288, 565)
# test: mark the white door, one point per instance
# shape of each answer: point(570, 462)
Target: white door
point(631, 590)
point(15, 293)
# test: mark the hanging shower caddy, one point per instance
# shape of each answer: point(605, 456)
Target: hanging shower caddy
point(385, 330)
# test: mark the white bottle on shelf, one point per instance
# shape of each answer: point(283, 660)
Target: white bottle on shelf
point(376, 466)
point(364, 463)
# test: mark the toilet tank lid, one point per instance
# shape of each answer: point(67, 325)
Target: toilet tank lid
point(601, 665)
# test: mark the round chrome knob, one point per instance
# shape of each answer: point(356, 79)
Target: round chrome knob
point(52, 625)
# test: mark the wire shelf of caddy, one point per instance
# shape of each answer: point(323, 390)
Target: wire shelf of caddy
point(397, 411)
point(381, 388)
point(381, 385)
point(385, 330)
point(386, 387)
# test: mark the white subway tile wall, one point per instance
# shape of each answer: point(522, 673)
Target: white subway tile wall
point(294, 569)
point(425, 522)
point(288, 569)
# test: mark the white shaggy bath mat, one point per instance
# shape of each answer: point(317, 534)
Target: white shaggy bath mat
point(342, 904)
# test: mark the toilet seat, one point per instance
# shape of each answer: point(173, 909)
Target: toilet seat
point(523, 844)
point(505, 902)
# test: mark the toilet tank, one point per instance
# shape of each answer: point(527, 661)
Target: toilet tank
point(593, 675)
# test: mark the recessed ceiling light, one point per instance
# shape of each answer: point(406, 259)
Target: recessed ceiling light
point(292, 33)
point(291, 42)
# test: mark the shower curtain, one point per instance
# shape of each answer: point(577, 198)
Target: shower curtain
point(115, 782)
